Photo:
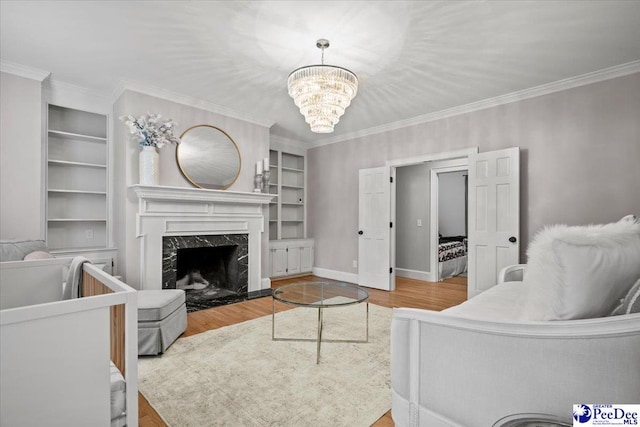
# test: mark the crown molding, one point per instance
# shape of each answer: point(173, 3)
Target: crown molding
point(282, 142)
point(190, 101)
point(72, 95)
point(24, 71)
point(545, 89)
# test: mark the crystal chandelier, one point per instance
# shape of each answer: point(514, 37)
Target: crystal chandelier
point(322, 92)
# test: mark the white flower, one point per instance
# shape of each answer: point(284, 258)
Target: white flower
point(148, 130)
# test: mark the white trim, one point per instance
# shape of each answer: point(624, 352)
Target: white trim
point(448, 155)
point(545, 89)
point(425, 276)
point(265, 283)
point(179, 98)
point(24, 71)
point(335, 275)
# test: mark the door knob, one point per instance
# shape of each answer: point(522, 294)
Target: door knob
point(513, 239)
point(361, 232)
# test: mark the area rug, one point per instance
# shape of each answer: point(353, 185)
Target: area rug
point(238, 376)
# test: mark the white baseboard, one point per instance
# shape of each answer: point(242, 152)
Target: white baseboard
point(415, 274)
point(265, 283)
point(335, 275)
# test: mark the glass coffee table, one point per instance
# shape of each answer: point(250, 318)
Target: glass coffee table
point(319, 295)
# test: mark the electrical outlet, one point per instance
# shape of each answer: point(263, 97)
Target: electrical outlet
point(419, 223)
point(88, 233)
point(355, 264)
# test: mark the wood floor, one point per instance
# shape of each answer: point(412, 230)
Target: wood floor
point(408, 293)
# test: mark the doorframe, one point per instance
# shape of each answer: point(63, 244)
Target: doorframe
point(435, 212)
point(408, 161)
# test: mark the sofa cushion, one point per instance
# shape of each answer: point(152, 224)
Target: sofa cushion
point(498, 304)
point(157, 304)
point(580, 272)
point(16, 250)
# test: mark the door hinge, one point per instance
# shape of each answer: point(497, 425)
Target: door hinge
point(390, 270)
point(287, 249)
point(391, 179)
point(112, 264)
point(391, 225)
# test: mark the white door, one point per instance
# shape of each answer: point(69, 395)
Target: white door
point(494, 216)
point(374, 216)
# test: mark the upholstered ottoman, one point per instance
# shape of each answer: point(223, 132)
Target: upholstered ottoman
point(162, 317)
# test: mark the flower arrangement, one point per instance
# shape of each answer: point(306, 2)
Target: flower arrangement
point(149, 130)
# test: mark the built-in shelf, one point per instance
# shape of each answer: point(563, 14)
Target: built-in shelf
point(57, 190)
point(77, 188)
point(77, 220)
point(287, 213)
point(71, 135)
point(68, 163)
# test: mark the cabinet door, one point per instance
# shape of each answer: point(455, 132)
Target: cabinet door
point(278, 262)
point(293, 260)
point(306, 259)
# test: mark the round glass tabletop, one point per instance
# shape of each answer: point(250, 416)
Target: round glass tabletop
point(320, 294)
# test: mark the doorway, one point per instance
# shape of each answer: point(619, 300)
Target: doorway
point(449, 214)
point(414, 207)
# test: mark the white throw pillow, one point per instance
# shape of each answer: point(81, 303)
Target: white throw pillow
point(38, 255)
point(580, 272)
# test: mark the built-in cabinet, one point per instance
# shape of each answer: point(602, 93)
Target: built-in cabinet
point(287, 211)
point(290, 251)
point(291, 257)
point(77, 157)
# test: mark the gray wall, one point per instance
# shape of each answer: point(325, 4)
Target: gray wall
point(580, 151)
point(451, 209)
point(21, 163)
point(413, 203)
point(252, 141)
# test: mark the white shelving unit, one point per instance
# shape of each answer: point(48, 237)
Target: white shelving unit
point(287, 212)
point(77, 180)
point(291, 252)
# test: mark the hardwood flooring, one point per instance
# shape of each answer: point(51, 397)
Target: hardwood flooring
point(408, 293)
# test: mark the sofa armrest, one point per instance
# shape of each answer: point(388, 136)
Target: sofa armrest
point(512, 273)
point(438, 361)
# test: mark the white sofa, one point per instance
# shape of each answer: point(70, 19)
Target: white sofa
point(538, 342)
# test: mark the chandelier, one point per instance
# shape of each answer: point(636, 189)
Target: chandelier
point(322, 92)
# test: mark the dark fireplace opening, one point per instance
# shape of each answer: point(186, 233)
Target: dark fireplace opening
point(213, 270)
point(208, 271)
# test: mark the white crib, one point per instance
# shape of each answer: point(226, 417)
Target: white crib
point(55, 354)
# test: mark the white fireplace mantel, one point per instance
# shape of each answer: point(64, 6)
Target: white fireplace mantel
point(180, 211)
point(185, 194)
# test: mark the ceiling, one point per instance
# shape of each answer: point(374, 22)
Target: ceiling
point(412, 58)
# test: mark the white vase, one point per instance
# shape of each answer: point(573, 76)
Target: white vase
point(149, 166)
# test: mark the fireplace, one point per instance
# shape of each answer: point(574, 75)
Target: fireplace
point(211, 269)
point(180, 214)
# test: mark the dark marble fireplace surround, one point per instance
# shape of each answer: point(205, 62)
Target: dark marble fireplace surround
point(213, 269)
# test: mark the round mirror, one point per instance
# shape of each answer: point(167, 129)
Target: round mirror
point(208, 157)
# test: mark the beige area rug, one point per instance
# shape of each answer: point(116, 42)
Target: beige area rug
point(238, 376)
